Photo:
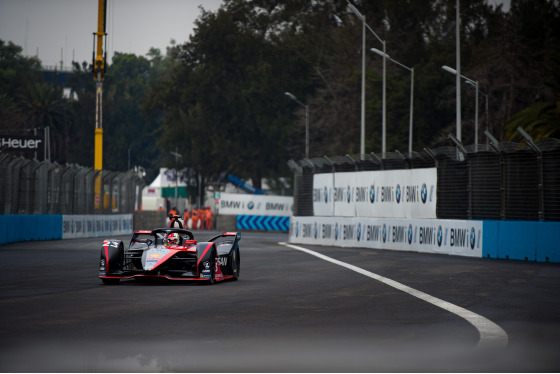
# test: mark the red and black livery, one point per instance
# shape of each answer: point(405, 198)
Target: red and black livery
point(150, 254)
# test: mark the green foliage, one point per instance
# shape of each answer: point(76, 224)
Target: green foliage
point(125, 127)
point(17, 73)
point(223, 101)
point(541, 120)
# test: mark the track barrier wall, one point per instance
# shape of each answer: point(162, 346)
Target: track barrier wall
point(91, 226)
point(20, 228)
point(254, 212)
point(512, 240)
point(491, 201)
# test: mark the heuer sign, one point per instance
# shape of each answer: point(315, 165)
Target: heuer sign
point(22, 145)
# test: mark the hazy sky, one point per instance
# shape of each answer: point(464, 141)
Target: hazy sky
point(50, 28)
point(62, 30)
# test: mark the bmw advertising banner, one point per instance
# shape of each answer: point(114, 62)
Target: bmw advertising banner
point(343, 194)
point(323, 194)
point(265, 205)
point(453, 237)
point(88, 226)
point(407, 193)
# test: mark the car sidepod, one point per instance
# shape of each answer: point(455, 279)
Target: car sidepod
point(111, 261)
point(208, 269)
point(228, 259)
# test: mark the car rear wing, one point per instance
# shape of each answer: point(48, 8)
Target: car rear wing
point(226, 236)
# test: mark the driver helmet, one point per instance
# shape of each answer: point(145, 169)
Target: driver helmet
point(173, 239)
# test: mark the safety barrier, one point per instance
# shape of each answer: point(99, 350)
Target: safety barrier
point(263, 223)
point(41, 187)
point(90, 226)
point(522, 240)
point(505, 181)
point(513, 240)
point(255, 212)
point(503, 196)
point(20, 228)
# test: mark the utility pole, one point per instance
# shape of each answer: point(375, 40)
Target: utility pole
point(99, 74)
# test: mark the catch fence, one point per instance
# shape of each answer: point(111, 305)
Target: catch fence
point(498, 181)
point(42, 187)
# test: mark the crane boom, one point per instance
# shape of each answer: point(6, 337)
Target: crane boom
point(99, 73)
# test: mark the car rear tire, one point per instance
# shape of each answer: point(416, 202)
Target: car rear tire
point(236, 267)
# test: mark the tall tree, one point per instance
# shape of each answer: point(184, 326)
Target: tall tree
point(45, 106)
point(224, 104)
point(128, 134)
point(17, 73)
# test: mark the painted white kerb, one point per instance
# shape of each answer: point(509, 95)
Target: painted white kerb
point(491, 335)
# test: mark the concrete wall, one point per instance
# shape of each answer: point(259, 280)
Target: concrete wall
point(20, 228)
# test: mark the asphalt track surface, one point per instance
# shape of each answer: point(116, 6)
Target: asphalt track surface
point(290, 311)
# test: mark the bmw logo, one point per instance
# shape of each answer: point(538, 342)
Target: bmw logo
point(409, 234)
point(398, 193)
point(336, 231)
point(250, 205)
point(372, 194)
point(473, 237)
point(424, 193)
point(359, 231)
point(384, 233)
point(326, 194)
point(315, 230)
point(348, 194)
point(439, 236)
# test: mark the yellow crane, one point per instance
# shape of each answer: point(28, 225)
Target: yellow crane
point(99, 73)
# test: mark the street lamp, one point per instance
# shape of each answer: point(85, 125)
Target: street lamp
point(385, 55)
point(474, 84)
point(363, 111)
point(306, 121)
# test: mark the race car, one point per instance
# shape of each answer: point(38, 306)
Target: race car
point(171, 253)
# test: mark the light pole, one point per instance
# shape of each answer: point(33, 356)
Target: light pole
point(363, 109)
point(474, 84)
point(458, 65)
point(486, 111)
point(291, 96)
point(385, 55)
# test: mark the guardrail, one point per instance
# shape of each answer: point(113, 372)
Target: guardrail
point(42, 187)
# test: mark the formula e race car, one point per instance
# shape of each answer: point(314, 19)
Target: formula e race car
point(171, 253)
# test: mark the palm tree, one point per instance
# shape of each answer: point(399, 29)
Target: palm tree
point(44, 106)
point(541, 121)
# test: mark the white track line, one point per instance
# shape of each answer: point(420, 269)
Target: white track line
point(491, 335)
